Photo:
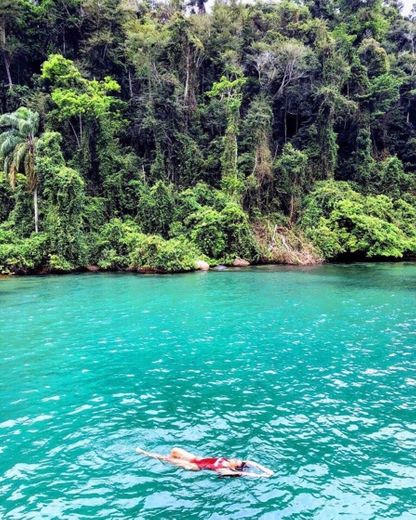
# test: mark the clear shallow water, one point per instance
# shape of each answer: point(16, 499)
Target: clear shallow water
point(311, 372)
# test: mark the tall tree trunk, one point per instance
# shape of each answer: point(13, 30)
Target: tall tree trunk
point(188, 66)
point(3, 48)
point(130, 85)
point(80, 128)
point(35, 207)
point(285, 125)
point(75, 134)
point(7, 67)
point(292, 209)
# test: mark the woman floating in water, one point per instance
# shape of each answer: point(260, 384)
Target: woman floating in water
point(224, 467)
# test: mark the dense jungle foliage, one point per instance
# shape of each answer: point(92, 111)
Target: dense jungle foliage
point(145, 136)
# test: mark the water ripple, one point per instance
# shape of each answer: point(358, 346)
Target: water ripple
point(311, 372)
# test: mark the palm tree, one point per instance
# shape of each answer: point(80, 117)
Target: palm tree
point(18, 149)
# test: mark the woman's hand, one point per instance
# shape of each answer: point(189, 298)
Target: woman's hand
point(224, 472)
point(266, 472)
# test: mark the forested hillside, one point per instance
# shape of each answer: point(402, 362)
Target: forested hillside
point(146, 136)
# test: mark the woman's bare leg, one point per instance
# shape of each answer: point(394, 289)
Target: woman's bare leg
point(153, 455)
point(179, 453)
point(176, 456)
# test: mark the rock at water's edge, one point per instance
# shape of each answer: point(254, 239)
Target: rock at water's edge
point(240, 262)
point(93, 268)
point(201, 265)
point(148, 270)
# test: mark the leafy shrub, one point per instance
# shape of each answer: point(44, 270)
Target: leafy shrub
point(222, 235)
point(192, 199)
point(21, 217)
point(94, 213)
point(206, 231)
point(64, 221)
point(114, 243)
point(341, 221)
point(6, 202)
point(155, 208)
point(121, 245)
point(22, 255)
point(59, 264)
point(239, 237)
point(156, 254)
point(49, 159)
point(393, 179)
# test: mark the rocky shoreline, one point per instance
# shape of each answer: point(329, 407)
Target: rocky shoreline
point(200, 265)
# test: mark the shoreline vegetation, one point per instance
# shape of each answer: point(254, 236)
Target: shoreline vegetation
point(159, 137)
point(95, 269)
point(203, 266)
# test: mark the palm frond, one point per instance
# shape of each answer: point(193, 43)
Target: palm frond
point(9, 144)
point(6, 163)
point(28, 121)
point(23, 120)
point(30, 171)
point(19, 154)
point(35, 122)
point(17, 144)
point(4, 135)
point(12, 175)
point(10, 120)
point(10, 168)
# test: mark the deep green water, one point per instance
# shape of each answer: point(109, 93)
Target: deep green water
point(309, 371)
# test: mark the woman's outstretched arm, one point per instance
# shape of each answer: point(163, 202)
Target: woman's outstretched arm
point(231, 473)
point(266, 472)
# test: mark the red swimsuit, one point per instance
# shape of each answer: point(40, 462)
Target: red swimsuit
point(211, 463)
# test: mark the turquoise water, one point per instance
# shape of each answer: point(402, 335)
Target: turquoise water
point(308, 371)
